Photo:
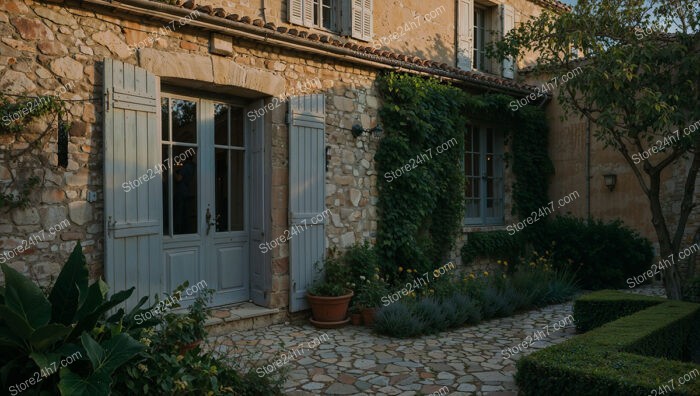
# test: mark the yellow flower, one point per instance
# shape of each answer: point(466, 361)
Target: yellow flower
point(180, 384)
point(498, 262)
point(180, 357)
point(376, 277)
point(409, 270)
point(142, 367)
point(486, 273)
point(505, 263)
point(400, 269)
point(472, 276)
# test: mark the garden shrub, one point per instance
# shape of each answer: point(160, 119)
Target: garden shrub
point(604, 306)
point(466, 310)
point(453, 300)
point(628, 356)
point(397, 320)
point(603, 255)
point(691, 290)
point(495, 245)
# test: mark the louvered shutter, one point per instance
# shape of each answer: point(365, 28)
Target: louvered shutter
point(306, 192)
point(507, 24)
point(359, 20)
point(301, 12)
point(465, 34)
point(133, 216)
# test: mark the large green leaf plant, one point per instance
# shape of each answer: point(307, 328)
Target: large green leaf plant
point(70, 325)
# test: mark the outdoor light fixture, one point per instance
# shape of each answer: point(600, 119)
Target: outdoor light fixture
point(358, 130)
point(610, 181)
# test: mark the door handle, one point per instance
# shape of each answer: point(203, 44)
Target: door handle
point(210, 223)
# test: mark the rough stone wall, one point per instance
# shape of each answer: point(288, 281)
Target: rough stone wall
point(47, 46)
point(43, 49)
point(627, 202)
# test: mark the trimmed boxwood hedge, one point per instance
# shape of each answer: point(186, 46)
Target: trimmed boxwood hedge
point(619, 358)
point(595, 309)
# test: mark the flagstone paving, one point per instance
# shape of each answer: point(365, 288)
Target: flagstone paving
point(353, 360)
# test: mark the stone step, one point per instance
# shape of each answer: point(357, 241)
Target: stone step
point(242, 316)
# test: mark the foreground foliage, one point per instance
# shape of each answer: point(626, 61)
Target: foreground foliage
point(37, 331)
point(107, 350)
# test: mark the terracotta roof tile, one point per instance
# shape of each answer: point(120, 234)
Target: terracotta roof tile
point(382, 56)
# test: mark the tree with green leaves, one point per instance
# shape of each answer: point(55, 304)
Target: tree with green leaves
point(639, 86)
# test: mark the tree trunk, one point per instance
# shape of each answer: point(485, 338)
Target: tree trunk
point(670, 275)
point(667, 249)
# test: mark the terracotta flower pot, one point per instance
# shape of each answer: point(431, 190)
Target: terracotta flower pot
point(368, 316)
point(356, 319)
point(329, 309)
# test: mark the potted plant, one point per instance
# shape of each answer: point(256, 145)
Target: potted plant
point(370, 294)
point(188, 328)
point(329, 297)
point(355, 316)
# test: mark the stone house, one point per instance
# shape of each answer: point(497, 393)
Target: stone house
point(203, 135)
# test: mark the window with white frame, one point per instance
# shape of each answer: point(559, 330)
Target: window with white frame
point(483, 172)
point(346, 17)
point(326, 14)
point(480, 26)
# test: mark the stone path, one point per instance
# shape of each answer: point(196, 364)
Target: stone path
point(353, 360)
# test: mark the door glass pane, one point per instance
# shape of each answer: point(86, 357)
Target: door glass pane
point(165, 117)
point(237, 190)
point(237, 127)
point(316, 15)
point(472, 172)
point(184, 121)
point(184, 164)
point(221, 188)
point(327, 19)
point(166, 191)
point(221, 124)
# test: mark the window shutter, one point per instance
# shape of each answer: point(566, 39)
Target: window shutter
point(307, 183)
point(301, 12)
point(507, 24)
point(360, 19)
point(295, 10)
point(133, 218)
point(465, 36)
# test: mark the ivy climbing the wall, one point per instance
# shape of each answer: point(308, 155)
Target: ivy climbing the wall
point(420, 189)
point(15, 118)
point(421, 206)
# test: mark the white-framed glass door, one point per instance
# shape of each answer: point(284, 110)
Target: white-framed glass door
point(205, 196)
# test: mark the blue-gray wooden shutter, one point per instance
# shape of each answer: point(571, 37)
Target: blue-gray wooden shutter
point(465, 34)
point(261, 268)
point(507, 24)
point(301, 12)
point(307, 163)
point(358, 19)
point(133, 219)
